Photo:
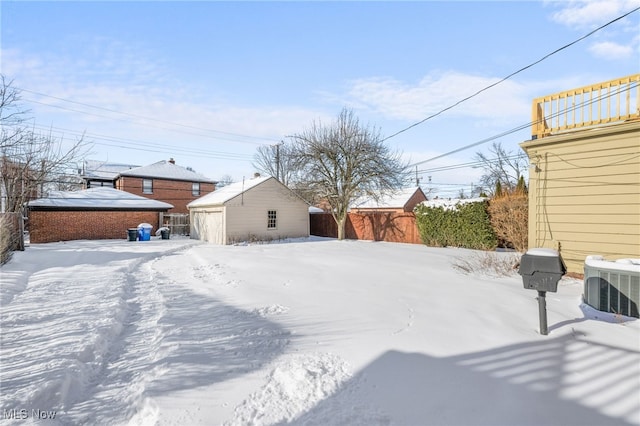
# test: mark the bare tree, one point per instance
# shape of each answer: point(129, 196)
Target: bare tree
point(30, 163)
point(11, 116)
point(224, 181)
point(343, 161)
point(278, 161)
point(501, 166)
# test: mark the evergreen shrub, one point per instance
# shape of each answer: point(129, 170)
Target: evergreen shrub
point(465, 225)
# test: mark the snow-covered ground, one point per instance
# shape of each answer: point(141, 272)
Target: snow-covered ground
point(317, 331)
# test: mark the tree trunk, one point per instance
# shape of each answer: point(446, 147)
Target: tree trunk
point(341, 228)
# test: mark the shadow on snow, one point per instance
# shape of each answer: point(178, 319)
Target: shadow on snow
point(561, 381)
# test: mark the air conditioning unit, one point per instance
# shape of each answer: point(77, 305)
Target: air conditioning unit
point(612, 286)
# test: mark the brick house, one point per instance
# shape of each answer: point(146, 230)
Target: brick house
point(90, 214)
point(165, 181)
point(102, 173)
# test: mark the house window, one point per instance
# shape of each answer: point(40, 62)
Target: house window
point(195, 188)
point(271, 219)
point(147, 186)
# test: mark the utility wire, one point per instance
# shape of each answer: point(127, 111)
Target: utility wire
point(128, 114)
point(512, 74)
point(134, 144)
point(524, 126)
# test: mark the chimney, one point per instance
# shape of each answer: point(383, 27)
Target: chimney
point(256, 175)
point(172, 161)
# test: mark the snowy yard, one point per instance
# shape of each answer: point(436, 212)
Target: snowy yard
point(318, 331)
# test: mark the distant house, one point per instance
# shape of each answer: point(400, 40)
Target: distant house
point(102, 173)
point(166, 181)
point(90, 214)
point(402, 200)
point(261, 208)
point(584, 178)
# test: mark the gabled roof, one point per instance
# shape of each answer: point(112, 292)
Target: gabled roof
point(394, 200)
point(226, 193)
point(97, 198)
point(103, 170)
point(167, 170)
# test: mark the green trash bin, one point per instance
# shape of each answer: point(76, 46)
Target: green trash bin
point(133, 234)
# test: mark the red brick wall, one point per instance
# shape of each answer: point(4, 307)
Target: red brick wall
point(52, 226)
point(379, 226)
point(177, 193)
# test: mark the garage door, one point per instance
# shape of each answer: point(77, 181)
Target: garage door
point(208, 226)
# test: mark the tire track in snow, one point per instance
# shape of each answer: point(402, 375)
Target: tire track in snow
point(53, 349)
point(130, 365)
point(210, 341)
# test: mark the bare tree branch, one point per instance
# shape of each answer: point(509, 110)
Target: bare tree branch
point(343, 161)
point(277, 161)
point(30, 163)
point(501, 166)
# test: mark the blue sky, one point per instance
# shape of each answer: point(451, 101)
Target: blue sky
point(208, 82)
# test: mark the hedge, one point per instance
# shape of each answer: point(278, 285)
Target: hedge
point(466, 225)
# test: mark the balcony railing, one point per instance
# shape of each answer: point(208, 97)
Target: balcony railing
point(602, 103)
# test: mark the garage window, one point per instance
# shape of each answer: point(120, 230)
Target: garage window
point(147, 186)
point(271, 219)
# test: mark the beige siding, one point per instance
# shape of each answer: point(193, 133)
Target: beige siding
point(247, 214)
point(244, 217)
point(584, 193)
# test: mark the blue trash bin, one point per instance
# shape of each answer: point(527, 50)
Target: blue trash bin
point(144, 232)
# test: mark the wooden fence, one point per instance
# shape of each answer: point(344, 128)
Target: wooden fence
point(374, 226)
point(178, 223)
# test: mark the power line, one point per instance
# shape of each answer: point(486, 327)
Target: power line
point(128, 117)
point(473, 165)
point(524, 126)
point(146, 146)
point(512, 74)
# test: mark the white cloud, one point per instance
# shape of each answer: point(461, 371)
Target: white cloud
point(616, 42)
point(589, 13)
point(435, 92)
point(611, 50)
point(118, 77)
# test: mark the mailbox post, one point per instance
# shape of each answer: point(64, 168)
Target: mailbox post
point(541, 269)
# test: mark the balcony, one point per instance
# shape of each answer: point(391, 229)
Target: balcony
point(599, 104)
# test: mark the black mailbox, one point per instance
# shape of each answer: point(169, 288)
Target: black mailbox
point(541, 269)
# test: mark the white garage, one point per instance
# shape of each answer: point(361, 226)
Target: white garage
point(258, 209)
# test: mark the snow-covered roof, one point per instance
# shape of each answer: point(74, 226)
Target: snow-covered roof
point(167, 170)
point(394, 200)
point(98, 198)
point(226, 193)
point(104, 170)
